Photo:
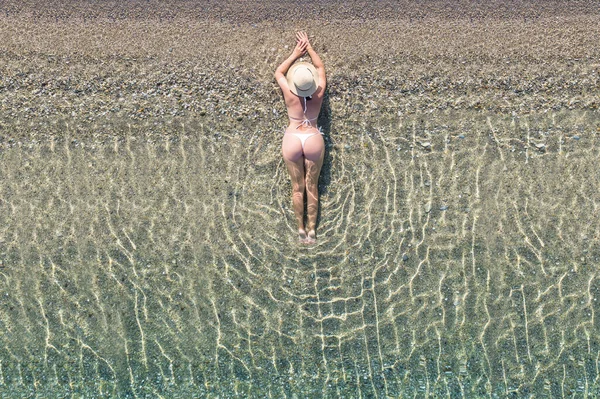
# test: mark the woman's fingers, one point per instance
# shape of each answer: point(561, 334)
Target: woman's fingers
point(301, 36)
point(304, 37)
point(302, 40)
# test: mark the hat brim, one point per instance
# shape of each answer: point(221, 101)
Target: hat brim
point(297, 91)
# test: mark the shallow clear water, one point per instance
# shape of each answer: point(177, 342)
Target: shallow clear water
point(457, 256)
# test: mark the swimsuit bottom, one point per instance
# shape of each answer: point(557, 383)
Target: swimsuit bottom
point(304, 136)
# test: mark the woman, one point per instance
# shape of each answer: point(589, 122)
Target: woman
point(303, 87)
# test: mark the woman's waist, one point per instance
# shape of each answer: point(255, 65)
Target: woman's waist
point(295, 128)
point(303, 121)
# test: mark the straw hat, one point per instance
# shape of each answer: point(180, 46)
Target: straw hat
point(302, 79)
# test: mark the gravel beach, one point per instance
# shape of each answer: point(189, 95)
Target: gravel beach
point(152, 64)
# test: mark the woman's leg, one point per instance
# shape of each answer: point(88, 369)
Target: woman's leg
point(314, 151)
point(291, 149)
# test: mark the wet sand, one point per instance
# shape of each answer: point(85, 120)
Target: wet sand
point(146, 231)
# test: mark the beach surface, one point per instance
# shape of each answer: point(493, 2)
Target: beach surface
point(147, 241)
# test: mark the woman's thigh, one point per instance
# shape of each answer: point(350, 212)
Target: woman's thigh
point(314, 150)
point(291, 150)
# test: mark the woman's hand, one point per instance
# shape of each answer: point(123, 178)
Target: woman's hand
point(302, 37)
point(300, 48)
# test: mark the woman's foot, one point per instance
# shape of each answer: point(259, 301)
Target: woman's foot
point(302, 236)
point(312, 237)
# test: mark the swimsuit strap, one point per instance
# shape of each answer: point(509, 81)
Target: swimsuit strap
point(303, 119)
point(304, 123)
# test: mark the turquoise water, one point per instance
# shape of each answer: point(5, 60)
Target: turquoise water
point(457, 257)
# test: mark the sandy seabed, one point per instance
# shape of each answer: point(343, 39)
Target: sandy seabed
point(146, 234)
